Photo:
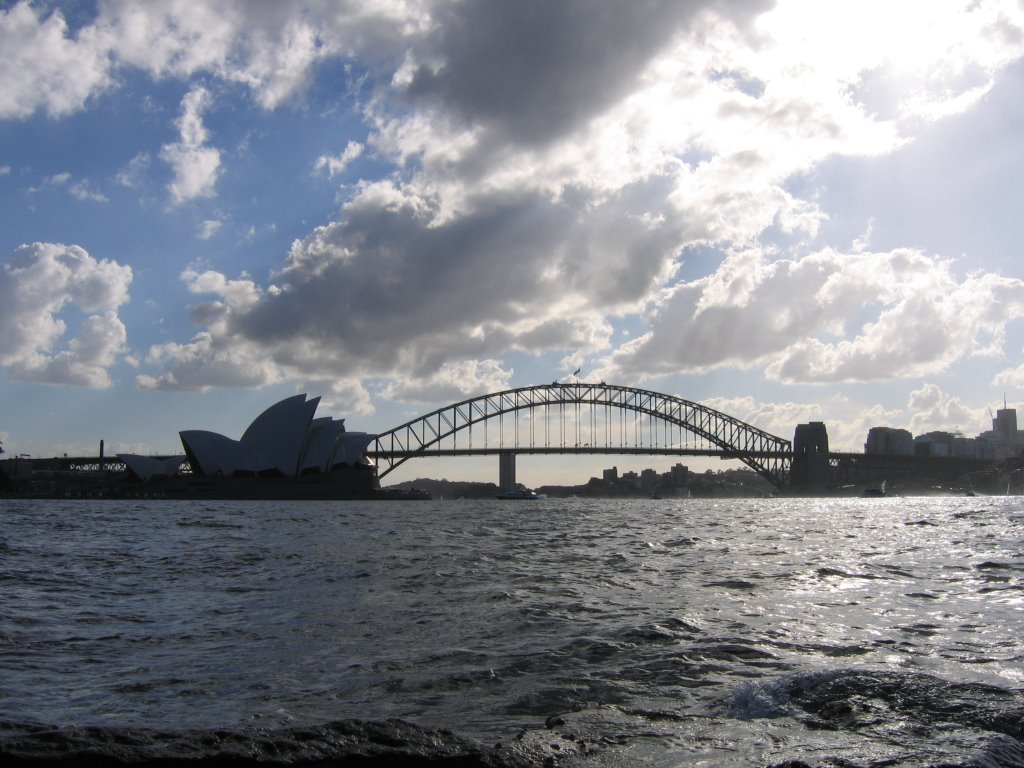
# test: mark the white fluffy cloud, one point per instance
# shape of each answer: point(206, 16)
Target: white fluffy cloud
point(827, 317)
point(214, 357)
point(776, 418)
point(932, 410)
point(452, 383)
point(205, 362)
point(196, 166)
point(336, 164)
point(44, 67)
point(39, 286)
point(270, 48)
point(1012, 378)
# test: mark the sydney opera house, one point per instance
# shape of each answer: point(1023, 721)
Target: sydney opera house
point(285, 453)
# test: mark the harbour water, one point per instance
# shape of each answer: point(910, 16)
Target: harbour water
point(740, 632)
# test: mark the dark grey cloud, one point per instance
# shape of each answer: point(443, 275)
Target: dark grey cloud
point(383, 288)
point(533, 70)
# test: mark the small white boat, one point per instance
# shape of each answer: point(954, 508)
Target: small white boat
point(519, 492)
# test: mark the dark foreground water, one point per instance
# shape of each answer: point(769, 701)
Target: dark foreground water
point(856, 632)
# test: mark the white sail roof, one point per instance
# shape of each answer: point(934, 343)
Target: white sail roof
point(284, 439)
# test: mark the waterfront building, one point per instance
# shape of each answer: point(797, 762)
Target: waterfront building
point(283, 441)
point(889, 441)
point(1003, 441)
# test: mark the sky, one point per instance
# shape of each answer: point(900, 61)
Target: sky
point(788, 211)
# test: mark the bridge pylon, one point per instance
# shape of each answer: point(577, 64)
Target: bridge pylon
point(506, 471)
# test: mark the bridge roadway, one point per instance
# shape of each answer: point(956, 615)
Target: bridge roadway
point(584, 449)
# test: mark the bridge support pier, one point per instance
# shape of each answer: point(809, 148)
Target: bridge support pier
point(810, 470)
point(506, 471)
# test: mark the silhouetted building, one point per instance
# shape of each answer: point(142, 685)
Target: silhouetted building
point(680, 475)
point(934, 445)
point(1004, 441)
point(888, 441)
point(648, 480)
point(1005, 423)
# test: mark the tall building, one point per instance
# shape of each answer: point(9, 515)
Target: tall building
point(680, 475)
point(1005, 422)
point(1004, 440)
point(648, 480)
point(888, 441)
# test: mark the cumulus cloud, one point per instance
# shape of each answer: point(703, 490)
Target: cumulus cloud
point(776, 418)
point(196, 166)
point(524, 74)
point(214, 357)
point(722, 103)
point(932, 410)
point(336, 165)
point(1012, 378)
point(828, 317)
point(205, 362)
point(40, 285)
point(452, 383)
point(848, 421)
point(270, 48)
point(385, 293)
point(340, 395)
point(528, 75)
point(46, 68)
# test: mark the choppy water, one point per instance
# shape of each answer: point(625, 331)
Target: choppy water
point(854, 632)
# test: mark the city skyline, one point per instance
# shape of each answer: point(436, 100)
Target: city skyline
point(785, 213)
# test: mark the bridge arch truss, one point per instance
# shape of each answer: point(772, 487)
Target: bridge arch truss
point(582, 418)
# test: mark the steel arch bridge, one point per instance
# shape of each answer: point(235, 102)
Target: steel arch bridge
point(582, 418)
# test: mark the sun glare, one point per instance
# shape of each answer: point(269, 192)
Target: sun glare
point(912, 37)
